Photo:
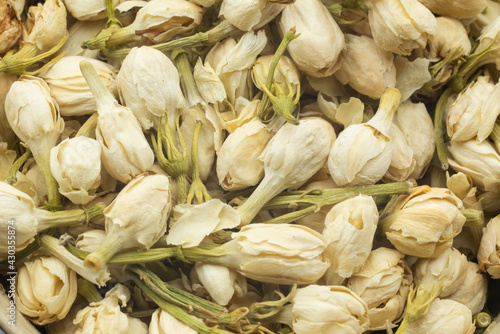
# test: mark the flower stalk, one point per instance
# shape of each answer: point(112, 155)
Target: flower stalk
point(113, 25)
point(210, 37)
point(322, 197)
point(27, 56)
point(283, 104)
point(197, 189)
point(88, 128)
point(47, 220)
point(88, 291)
point(98, 258)
point(11, 176)
point(179, 303)
point(53, 246)
point(419, 301)
point(175, 163)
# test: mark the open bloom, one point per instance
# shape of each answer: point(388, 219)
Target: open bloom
point(328, 309)
point(46, 25)
point(444, 316)
point(480, 161)
point(106, 316)
point(451, 40)
point(401, 26)
point(161, 20)
point(46, 289)
point(488, 254)
point(474, 112)
point(424, 222)
point(10, 28)
point(383, 283)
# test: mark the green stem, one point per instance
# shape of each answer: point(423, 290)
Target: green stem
point(482, 319)
point(88, 291)
point(188, 84)
point(48, 219)
point(102, 96)
point(182, 189)
point(99, 258)
point(172, 309)
point(122, 36)
point(322, 197)
point(110, 10)
point(151, 255)
point(183, 299)
point(17, 63)
point(389, 103)
point(142, 314)
point(212, 36)
point(192, 254)
point(287, 38)
point(41, 153)
point(473, 217)
point(112, 25)
point(438, 127)
point(52, 245)
point(11, 176)
point(267, 189)
point(174, 163)
point(88, 128)
point(197, 188)
point(292, 216)
point(472, 64)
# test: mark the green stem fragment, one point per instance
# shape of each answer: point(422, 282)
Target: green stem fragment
point(88, 128)
point(322, 197)
point(99, 258)
point(88, 291)
point(282, 104)
point(47, 219)
point(210, 37)
point(19, 62)
point(473, 217)
point(11, 176)
point(197, 188)
point(482, 319)
point(157, 290)
point(292, 216)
